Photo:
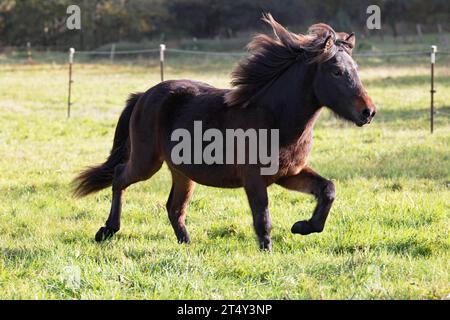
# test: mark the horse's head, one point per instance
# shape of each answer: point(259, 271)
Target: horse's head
point(335, 80)
point(337, 84)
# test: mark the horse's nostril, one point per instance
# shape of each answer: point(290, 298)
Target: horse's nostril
point(373, 114)
point(366, 112)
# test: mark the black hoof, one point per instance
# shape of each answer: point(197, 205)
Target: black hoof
point(184, 240)
point(182, 236)
point(104, 233)
point(265, 245)
point(304, 228)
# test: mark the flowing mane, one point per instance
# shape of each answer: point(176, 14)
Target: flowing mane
point(270, 57)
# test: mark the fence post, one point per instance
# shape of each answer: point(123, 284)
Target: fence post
point(162, 48)
point(113, 52)
point(432, 91)
point(69, 100)
point(30, 58)
point(419, 30)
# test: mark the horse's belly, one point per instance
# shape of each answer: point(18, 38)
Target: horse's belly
point(221, 176)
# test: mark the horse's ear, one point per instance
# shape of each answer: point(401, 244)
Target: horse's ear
point(280, 32)
point(328, 43)
point(351, 39)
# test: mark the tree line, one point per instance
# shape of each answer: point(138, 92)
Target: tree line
point(106, 21)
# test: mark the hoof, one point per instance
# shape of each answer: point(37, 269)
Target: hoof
point(265, 245)
point(184, 240)
point(304, 228)
point(182, 236)
point(104, 233)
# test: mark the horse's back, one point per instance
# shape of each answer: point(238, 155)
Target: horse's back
point(175, 91)
point(172, 101)
point(177, 103)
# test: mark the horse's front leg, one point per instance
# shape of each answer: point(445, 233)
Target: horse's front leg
point(256, 191)
point(308, 181)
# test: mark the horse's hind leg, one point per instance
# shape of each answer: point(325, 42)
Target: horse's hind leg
point(181, 192)
point(308, 181)
point(135, 170)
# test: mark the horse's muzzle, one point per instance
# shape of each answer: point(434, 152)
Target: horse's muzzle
point(366, 116)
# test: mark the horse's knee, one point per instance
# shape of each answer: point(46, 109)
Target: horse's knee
point(328, 191)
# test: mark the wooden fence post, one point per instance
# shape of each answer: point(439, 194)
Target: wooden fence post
point(432, 91)
point(162, 48)
point(113, 52)
point(69, 100)
point(29, 55)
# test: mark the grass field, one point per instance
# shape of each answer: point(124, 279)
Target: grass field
point(387, 235)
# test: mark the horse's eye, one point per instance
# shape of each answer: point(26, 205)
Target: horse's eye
point(337, 73)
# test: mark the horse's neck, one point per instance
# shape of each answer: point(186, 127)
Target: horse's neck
point(292, 99)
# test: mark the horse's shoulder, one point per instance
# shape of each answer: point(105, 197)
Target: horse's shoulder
point(294, 156)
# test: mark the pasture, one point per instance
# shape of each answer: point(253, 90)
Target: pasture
point(387, 235)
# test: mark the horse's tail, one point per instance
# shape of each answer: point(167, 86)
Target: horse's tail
point(99, 177)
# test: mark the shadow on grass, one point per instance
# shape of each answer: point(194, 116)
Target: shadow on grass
point(21, 256)
point(226, 231)
point(415, 162)
point(405, 247)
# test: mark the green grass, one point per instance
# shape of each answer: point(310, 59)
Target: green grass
point(386, 237)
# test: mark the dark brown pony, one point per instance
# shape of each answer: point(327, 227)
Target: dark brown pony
point(283, 84)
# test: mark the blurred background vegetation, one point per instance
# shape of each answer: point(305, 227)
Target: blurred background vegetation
point(133, 24)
